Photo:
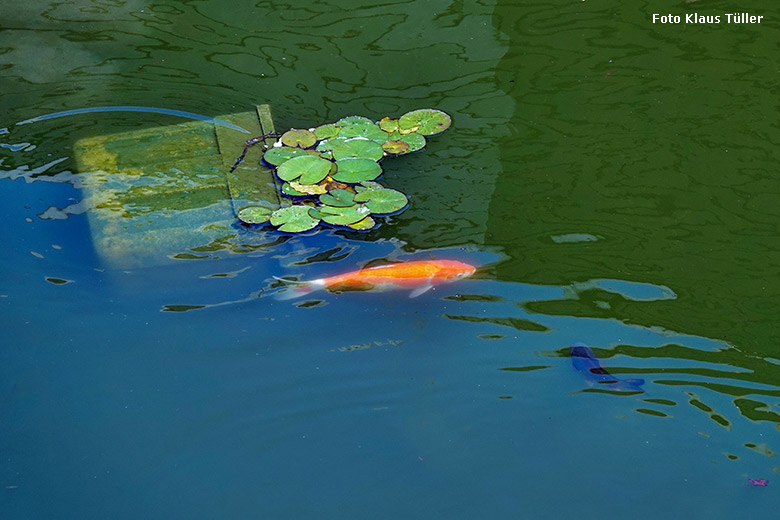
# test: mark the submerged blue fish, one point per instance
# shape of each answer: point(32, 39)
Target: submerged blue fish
point(584, 361)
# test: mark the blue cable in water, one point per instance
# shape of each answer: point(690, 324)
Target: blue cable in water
point(166, 111)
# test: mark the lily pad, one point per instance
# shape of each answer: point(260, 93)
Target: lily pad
point(388, 125)
point(298, 138)
point(363, 225)
point(288, 190)
point(383, 201)
point(293, 219)
point(395, 147)
point(352, 120)
point(255, 214)
point(309, 168)
point(426, 121)
point(276, 156)
point(338, 198)
point(368, 185)
point(331, 185)
point(343, 216)
point(326, 131)
point(343, 148)
point(356, 169)
point(414, 140)
point(369, 131)
point(309, 189)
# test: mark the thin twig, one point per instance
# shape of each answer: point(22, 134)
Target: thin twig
point(249, 143)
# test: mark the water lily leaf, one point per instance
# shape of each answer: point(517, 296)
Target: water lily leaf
point(328, 145)
point(356, 169)
point(308, 189)
point(276, 156)
point(362, 225)
point(368, 185)
point(309, 168)
point(331, 185)
point(338, 198)
point(382, 201)
point(395, 147)
point(255, 214)
point(414, 140)
point(352, 120)
point(368, 131)
point(388, 125)
point(293, 219)
point(326, 131)
point(298, 138)
point(426, 121)
point(343, 216)
point(357, 147)
point(288, 190)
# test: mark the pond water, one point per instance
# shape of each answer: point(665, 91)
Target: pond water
point(611, 178)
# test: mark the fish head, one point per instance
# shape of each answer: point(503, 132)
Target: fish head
point(581, 350)
point(452, 269)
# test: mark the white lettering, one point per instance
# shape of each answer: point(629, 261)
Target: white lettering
point(666, 18)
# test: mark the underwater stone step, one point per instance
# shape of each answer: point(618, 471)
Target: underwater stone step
point(155, 193)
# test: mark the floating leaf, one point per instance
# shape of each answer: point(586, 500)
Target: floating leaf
point(289, 191)
point(309, 189)
point(343, 216)
point(368, 185)
point(414, 140)
point(331, 185)
point(388, 125)
point(357, 147)
point(426, 121)
point(298, 138)
point(362, 225)
point(337, 176)
point(356, 169)
point(368, 131)
point(395, 147)
point(329, 144)
point(293, 219)
point(276, 156)
point(352, 120)
point(338, 198)
point(309, 168)
point(382, 201)
point(326, 131)
point(255, 214)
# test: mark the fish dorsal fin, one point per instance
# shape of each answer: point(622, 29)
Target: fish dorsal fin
point(420, 290)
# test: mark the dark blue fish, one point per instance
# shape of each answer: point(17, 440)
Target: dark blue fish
point(584, 361)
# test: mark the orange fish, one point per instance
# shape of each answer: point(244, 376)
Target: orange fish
point(418, 276)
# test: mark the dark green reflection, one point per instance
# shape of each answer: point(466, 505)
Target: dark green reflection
point(672, 175)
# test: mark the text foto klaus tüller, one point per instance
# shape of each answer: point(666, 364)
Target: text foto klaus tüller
point(746, 18)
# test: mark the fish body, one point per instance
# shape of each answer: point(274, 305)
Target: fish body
point(758, 482)
point(584, 361)
point(418, 276)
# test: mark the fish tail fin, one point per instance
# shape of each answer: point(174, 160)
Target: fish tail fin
point(298, 289)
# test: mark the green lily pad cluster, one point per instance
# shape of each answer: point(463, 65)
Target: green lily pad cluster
point(329, 172)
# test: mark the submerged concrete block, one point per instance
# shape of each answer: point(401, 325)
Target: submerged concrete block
point(156, 193)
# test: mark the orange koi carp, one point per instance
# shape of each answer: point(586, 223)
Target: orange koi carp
point(418, 276)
